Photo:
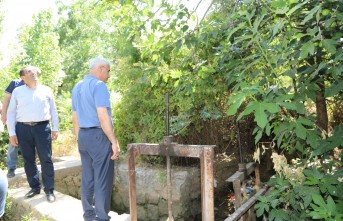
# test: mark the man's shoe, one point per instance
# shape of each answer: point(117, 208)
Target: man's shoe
point(50, 197)
point(10, 173)
point(32, 193)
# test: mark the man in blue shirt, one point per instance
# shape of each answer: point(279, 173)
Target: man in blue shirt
point(12, 153)
point(98, 146)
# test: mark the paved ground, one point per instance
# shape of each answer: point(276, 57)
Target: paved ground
point(65, 208)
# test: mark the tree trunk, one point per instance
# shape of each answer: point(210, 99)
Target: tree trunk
point(322, 114)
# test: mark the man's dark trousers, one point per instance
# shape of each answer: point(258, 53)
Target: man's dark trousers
point(31, 138)
point(97, 173)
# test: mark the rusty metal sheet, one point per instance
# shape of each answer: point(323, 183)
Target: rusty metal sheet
point(174, 150)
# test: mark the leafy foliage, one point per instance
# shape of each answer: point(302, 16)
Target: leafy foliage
point(279, 61)
point(40, 48)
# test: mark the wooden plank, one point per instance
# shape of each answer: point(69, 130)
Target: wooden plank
point(238, 193)
point(246, 206)
point(240, 175)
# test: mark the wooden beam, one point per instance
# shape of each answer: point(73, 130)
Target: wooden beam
point(246, 206)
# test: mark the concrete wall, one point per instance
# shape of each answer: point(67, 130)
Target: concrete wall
point(151, 187)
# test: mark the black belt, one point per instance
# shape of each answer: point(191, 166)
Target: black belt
point(86, 128)
point(34, 123)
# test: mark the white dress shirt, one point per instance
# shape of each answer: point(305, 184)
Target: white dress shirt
point(31, 105)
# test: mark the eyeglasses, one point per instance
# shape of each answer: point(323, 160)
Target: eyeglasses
point(108, 70)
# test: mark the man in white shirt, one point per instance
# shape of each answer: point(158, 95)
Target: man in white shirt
point(31, 108)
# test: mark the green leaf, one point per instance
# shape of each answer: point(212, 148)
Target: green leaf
point(259, 211)
point(305, 121)
point(274, 203)
point(278, 215)
point(289, 105)
point(306, 49)
point(260, 115)
point(258, 20)
point(175, 74)
point(305, 192)
point(248, 110)
point(185, 28)
point(318, 199)
point(334, 89)
point(330, 45)
point(262, 205)
point(279, 4)
point(258, 136)
point(313, 173)
point(236, 102)
point(271, 107)
point(279, 25)
point(300, 131)
point(238, 27)
point(295, 8)
point(310, 14)
point(331, 205)
point(268, 129)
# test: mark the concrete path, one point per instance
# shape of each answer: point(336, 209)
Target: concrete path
point(65, 208)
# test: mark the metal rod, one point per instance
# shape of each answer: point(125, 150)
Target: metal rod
point(170, 201)
point(167, 142)
point(167, 114)
point(239, 144)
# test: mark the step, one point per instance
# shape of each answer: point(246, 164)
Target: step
point(65, 208)
point(61, 165)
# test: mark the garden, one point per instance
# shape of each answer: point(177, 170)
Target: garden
point(262, 80)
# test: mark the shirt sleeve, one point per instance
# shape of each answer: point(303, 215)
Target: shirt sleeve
point(74, 97)
point(53, 112)
point(10, 87)
point(102, 95)
point(11, 114)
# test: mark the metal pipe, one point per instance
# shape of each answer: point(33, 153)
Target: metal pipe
point(239, 144)
point(167, 142)
point(170, 198)
point(167, 114)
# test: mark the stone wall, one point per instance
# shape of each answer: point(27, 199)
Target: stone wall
point(151, 189)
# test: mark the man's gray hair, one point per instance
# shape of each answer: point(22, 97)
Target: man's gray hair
point(98, 60)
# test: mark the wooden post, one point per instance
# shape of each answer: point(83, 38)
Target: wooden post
point(132, 183)
point(257, 176)
point(207, 184)
point(238, 193)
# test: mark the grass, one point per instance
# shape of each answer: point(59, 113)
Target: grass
point(65, 145)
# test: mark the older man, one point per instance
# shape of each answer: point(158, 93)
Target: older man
point(31, 108)
point(97, 143)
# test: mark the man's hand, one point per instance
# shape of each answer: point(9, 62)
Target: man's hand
point(14, 140)
point(3, 118)
point(116, 150)
point(54, 135)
